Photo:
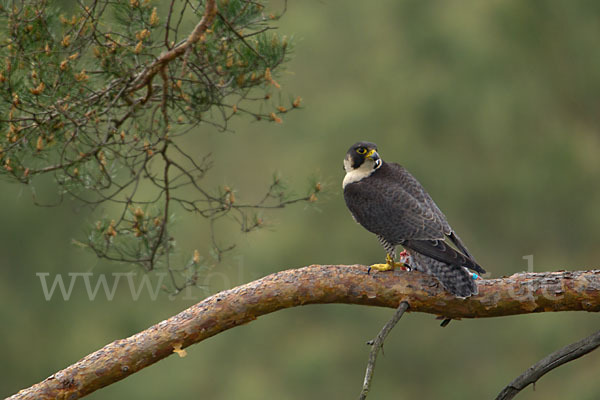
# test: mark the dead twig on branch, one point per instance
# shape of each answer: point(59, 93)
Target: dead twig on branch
point(317, 284)
point(562, 356)
point(377, 344)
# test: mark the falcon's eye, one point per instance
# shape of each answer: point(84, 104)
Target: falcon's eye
point(361, 150)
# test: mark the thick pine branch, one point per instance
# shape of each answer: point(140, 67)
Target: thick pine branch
point(317, 284)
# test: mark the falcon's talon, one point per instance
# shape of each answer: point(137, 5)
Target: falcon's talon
point(389, 265)
point(402, 265)
point(381, 267)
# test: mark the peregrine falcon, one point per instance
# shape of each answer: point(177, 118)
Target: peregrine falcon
point(389, 202)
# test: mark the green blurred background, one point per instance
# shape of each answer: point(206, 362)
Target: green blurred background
point(493, 105)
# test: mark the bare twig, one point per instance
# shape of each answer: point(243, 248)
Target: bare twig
point(377, 344)
point(318, 284)
point(562, 356)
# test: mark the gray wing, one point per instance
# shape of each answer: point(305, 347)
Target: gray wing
point(393, 204)
point(396, 207)
point(424, 207)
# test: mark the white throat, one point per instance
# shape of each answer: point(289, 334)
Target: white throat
point(355, 175)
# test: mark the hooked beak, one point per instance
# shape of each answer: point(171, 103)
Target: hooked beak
point(374, 156)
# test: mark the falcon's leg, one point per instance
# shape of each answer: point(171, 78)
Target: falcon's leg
point(390, 264)
point(390, 250)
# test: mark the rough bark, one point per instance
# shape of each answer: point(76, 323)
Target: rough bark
point(317, 284)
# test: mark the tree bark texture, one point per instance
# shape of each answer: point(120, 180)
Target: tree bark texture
point(317, 284)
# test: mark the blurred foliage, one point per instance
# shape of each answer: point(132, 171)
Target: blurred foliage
point(492, 105)
point(80, 101)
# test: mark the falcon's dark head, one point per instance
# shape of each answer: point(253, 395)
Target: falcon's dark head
point(359, 153)
point(361, 161)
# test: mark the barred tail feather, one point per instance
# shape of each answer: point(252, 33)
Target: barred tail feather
point(455, 279)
